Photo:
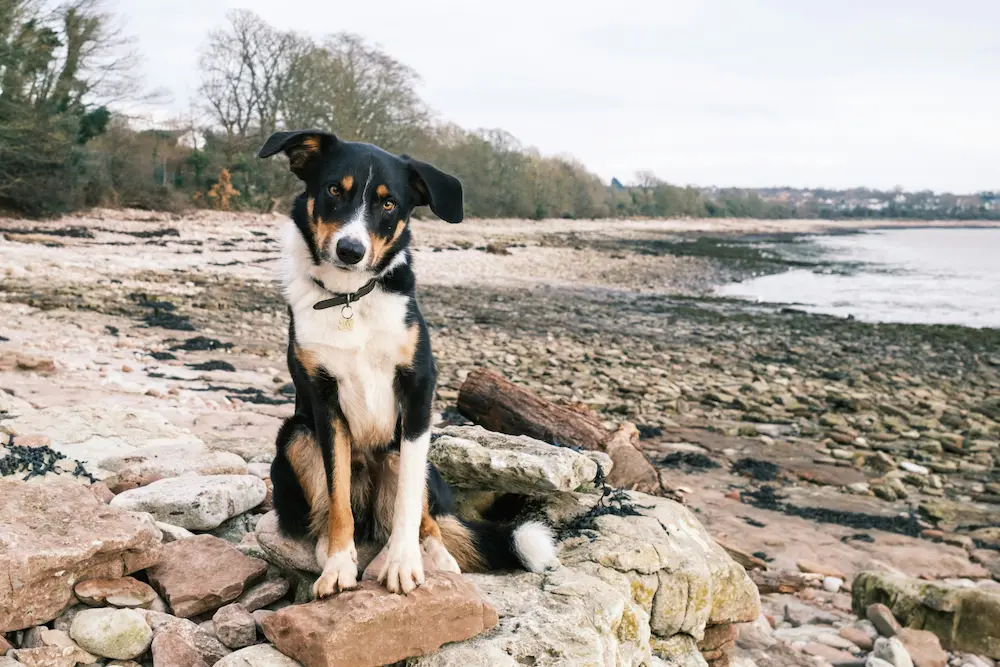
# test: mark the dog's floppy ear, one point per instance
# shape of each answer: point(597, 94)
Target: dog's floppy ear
point(301, 146)
point(441, 191)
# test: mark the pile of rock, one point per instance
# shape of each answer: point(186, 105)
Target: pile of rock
point(174, 559)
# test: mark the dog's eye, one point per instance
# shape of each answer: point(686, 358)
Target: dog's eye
point(388, 205)
point(335, 190)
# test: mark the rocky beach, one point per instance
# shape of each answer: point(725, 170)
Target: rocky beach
point(845, 468)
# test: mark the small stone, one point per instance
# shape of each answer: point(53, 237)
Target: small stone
point(826, 652)
point(914, 468)
point(50, 656)
point(350, 628)
point(195, 502)
point(103, 493)
point(838, 642)
point(872, 661)
point(892, 651)
point(172, 533)
point(832, 584)
point(112, 633)
point(202, 573)
point(260, 595)
point(210, 649)
point(812, 567)
point(234, 626)
point(262, 655)
point(122, 592)
point(858, 637)
point(924, 647)
point(259, 616)
point(172, 649)
point(127, 369)
point(884, 621)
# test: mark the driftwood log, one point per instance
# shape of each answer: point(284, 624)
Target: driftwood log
point(492, 401)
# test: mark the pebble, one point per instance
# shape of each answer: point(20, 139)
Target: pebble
point(881, 616)
point(858, 637)
point(914, 468)
point(235, 626)
point(892, 651)
point(832, 584)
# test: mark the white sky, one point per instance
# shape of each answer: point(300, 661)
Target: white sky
point(817, 93)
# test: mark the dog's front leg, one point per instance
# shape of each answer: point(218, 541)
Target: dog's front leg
point(337, 553)
point(403, 569)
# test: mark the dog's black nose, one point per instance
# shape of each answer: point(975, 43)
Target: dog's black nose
point(350, 251)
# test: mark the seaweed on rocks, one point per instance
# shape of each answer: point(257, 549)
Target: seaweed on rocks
point(763, 471)
point(688, 461)
point(36, 461)
point(214, 365)
point(766, 498)
point(614, 502)
point(162, 356)
point(201, 344)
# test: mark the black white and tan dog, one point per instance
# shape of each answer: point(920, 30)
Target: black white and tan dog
point(351, 463)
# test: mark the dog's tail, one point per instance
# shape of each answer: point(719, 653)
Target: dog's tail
point(482, 546)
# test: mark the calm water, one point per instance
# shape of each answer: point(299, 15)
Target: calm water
point(930, 276)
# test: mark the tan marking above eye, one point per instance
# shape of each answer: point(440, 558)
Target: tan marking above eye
point(347, 182)
point(382, 191)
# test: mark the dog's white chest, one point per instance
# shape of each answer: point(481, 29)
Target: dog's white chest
point(363, 360)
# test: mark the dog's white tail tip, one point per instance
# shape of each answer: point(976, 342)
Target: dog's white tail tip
point(535, 546)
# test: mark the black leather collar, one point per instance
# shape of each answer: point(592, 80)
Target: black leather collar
point(343, 299)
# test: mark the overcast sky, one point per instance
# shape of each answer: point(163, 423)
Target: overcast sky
point(832, 93)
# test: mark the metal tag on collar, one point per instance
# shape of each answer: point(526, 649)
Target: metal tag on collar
point(347, 316)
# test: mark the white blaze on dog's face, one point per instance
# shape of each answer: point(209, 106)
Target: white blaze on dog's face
point(354, 215)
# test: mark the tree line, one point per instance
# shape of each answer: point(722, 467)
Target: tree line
point(64, 67)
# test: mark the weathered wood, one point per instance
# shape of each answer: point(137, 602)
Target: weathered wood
point(780, 581)
point(497, 404)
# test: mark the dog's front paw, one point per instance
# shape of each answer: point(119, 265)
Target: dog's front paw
point(403, 569)
point(439, 557)
point(340, 573)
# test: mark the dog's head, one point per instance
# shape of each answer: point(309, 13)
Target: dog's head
point(359, 198)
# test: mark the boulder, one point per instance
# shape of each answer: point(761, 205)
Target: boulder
point(203, 573)
point(195, 502)
point(570, 617)
point(658, 551)
point(121, 592)
point(964, 619)
point(370, 626)
point(472, 457)
point(161, 461)
point(58, 534)
point(112, 633)
point(262, 655)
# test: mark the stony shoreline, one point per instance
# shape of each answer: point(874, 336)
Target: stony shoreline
point(793, 437)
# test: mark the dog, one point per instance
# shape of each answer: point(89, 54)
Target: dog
point(351, 463)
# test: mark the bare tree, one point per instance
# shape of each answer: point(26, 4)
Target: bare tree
point(357, 91)
point(245, 72)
